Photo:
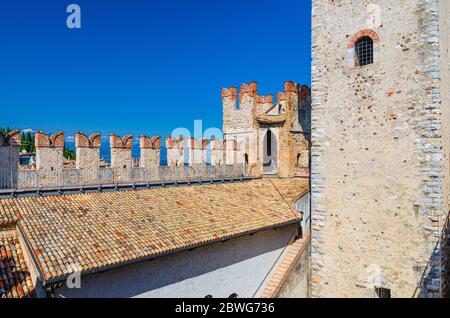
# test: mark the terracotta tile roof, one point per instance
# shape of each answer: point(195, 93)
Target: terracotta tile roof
point(97, 231)
point(7, 216)
point(292, 189)
point(15, 279)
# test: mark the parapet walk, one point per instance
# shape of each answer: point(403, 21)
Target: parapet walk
point(50, 170)
point(111, 187)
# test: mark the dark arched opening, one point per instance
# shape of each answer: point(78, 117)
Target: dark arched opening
point(270, 152)
point(364, 51)
point(269, 143)
point(297, 162)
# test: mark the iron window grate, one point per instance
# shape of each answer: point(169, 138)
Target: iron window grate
point(364, 51)
point(382, 292)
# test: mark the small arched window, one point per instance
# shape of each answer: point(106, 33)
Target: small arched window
point(364, 51)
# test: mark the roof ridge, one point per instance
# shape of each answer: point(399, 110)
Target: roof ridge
point(284, 199)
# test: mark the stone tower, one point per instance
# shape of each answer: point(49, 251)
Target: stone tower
point(380, 148)
point(271, 138)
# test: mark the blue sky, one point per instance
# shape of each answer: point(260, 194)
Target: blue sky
point(143, 66)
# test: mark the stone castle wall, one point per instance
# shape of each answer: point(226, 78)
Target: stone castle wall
point(121, 151)
point(197, 149)
point(175, 151)
point(87, 154)
point(9, 159)
point(445, 65)
point(379, 150)
point(34, 179)
point(51, 169)
point(49, 151)
point(150, 151)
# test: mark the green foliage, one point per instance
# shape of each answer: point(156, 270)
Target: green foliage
point(22, 142)
point(69, 154)
point(26, 140)
point(33, 146)
point(4, 131)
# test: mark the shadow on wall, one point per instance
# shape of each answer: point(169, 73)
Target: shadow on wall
point(437, 269)
point(138, 279)
point(15, 285)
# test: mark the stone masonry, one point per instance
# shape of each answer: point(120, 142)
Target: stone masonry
point(238, 153)
point(197, 151)
point(217, 153)
point(9, 158)
point(49, 151)
point(231, 151)
point(175, 151)
point(380, 148)
point(272, 137)
point(88, 154)
point(121, 148)
point(150, 151)
point(49, 157)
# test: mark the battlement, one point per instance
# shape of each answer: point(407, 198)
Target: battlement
point(247, 96)
point(49, 151)
point(11, 139)
point(197, 151)
point(121, 151)
point(87, 154)
point(150, 151)
point(217, 154)
point(9, 159)
point(242, 117)
point(51, 172)
point(84, 141)
point(230, 144)
point(42, 140)
point(230, 93)
point(117, 142)
point(249, 90)
point(200, 143)
point(290, 88)
point(216, 144)
point(175, 151)
point(174, 143)
point(242, 146)
point(150, 142)
point(264, 99)
point(231, 151)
